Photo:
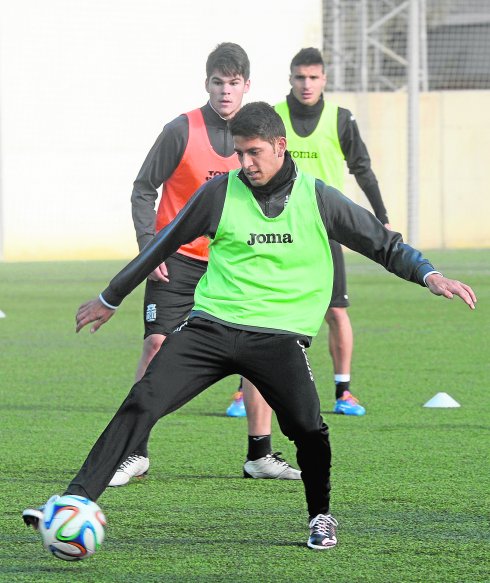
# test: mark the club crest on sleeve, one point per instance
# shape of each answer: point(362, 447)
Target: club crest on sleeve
point(151, 312)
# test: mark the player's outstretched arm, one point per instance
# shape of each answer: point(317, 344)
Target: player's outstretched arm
point(93, 311)
point(442, 286)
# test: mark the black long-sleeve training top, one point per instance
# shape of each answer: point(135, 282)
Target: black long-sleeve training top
point(346, 222)
point(168, 149)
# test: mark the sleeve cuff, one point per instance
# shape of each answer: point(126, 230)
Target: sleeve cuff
point(107, 305)
point(430, 273)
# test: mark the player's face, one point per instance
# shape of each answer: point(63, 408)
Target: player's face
point(308, 83)
point(259, 159)
point(226, 93)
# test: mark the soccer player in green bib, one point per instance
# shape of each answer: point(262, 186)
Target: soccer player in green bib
point(322, 139)
point(257, 307)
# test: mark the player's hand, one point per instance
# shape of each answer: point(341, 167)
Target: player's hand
point(442, 286)
point(388, 226)
point(160, 273)
point(93, 311)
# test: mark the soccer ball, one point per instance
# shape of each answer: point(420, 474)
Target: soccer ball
point(72, 527)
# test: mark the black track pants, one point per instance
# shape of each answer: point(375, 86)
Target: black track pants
point(196, 356)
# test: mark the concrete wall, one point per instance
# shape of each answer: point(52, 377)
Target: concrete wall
point(85, 88)
point(454, 193)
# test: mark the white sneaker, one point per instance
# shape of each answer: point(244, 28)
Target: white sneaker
point(133, 467)
point(32, 516)
point(270, 467)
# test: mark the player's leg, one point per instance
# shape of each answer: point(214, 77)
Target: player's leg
point(259, 414)
point(340, 337)
point(137, 463)
point(279, 365)
point(151, 345)
point(166, 305)
point(181, 370)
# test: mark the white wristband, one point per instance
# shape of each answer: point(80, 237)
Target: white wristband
point(107, 305)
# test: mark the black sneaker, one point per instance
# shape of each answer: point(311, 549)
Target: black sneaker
point(323, 532)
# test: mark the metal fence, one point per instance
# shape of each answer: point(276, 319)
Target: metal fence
point(367, 44)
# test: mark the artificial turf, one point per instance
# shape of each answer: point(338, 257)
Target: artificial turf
point(410, 484)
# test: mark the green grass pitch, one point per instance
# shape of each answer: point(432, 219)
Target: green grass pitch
point(410, 485)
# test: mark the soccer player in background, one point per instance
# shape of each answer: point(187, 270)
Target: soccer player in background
point(192, 149)
point(322, 139)
point(258, 305)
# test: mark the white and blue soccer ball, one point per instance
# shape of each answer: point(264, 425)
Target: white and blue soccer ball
point(72, 527)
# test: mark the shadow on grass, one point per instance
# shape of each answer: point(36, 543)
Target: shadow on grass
point(217, 542)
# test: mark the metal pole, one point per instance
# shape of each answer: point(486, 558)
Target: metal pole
point(364, 45)
point(375, 7)
point(413, 123)
point(338, 78)
point(424, 65)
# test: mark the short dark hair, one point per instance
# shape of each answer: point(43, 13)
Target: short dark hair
point(229, 59)
point(309, 56)
point(258, 120)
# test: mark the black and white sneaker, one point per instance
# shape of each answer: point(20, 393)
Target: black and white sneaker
point(32, 516)
point(323, 532)
point(133, 466)
point(272, 467)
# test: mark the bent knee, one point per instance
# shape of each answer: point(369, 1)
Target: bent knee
point(152, 345)
point(305, 430)
point(312, 438)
